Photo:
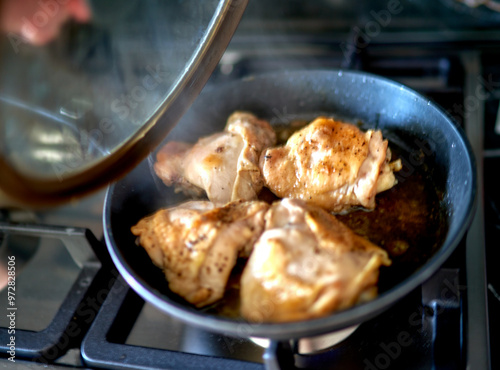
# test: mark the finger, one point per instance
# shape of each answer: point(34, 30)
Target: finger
point(79, 10)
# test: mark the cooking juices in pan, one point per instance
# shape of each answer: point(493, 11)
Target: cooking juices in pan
point(409, 222)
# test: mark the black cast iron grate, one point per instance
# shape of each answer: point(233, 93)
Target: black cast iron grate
point(104, 347)
point(75, 314)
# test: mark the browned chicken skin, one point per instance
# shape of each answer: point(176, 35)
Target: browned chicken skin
point(307, 264)
point(197, 245)
point(224, 165)
point(332, 164)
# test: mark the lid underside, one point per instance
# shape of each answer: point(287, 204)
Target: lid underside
point(85, 109)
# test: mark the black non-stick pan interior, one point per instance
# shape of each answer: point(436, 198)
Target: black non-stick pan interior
point(403, 116)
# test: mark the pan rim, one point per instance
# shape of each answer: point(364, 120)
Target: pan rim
point(337, 320)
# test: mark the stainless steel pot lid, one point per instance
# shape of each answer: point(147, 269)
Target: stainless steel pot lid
point(83, 109)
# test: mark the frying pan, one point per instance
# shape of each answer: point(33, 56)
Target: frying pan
point(401, 114)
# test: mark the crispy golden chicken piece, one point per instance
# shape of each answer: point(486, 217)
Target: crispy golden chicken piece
point(331, 164)
point(197, 245)
point(307, 264)
point(224, 165)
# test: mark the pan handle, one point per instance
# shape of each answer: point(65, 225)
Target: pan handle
point(279, 355)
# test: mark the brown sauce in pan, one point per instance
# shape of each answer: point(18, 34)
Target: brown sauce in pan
point(409, 222)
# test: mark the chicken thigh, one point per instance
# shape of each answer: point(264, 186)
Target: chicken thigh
point(331, 164)
point(197, 245)
point(307, 264)
point(224, 165)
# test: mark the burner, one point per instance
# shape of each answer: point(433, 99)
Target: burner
point(314, 344)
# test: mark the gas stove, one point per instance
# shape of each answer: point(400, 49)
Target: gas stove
point(71, 308)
